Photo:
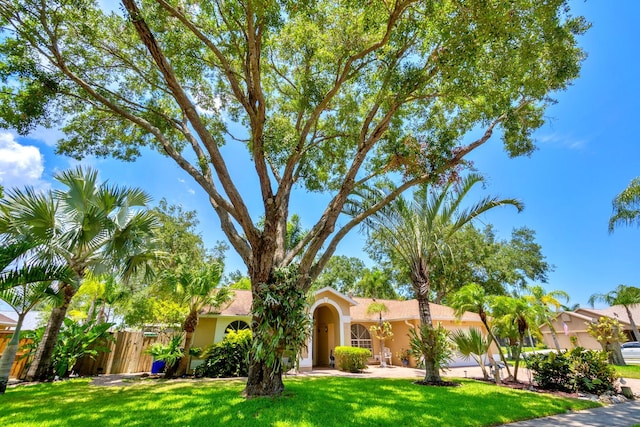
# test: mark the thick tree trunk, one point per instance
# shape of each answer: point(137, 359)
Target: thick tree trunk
point(264, 380)
point(9, 355)
point(40, 368)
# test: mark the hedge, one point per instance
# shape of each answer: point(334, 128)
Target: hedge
point(351, 359)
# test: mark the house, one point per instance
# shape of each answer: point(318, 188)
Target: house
point(574, 324)
point(6, 323)
point(338, 320)
point(32, 320)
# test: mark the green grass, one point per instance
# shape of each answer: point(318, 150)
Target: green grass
point(629, 371)
point(306, 402)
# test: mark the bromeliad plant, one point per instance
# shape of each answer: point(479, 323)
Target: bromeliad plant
point(434, 344)
point(284, 325)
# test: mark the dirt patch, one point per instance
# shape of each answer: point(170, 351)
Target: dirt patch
point(438, 383)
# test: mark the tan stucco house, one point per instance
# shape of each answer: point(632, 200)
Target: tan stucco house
point(574, 324)
point(338, 320)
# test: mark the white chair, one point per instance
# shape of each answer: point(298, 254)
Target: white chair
point(386, 353)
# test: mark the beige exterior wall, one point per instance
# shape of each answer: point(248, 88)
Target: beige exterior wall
point(400, 340)
point(211, 330)
point(576, 327)
point(204, 334)
point(327, 295)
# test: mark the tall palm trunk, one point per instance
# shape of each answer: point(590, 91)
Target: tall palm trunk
point(554, 335)
point(483, 317)
point(431, 372)
point(189, 326)
point(40, 368)
point(9, 355)
point(634, 328)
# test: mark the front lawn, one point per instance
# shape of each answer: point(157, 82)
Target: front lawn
point(629, 371)
point(307, 401)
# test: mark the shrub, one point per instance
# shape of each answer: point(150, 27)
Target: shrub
point(352, 359)
point(433, 344)
point(170, 353)
point(228, 358)
point(578, 370)
point(74, 342)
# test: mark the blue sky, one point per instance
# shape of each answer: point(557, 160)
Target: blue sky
point(587, 153)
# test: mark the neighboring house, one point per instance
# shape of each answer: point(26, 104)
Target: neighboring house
point(574, 324)
point(32, 320)
point(6, 322)
point(338, 320)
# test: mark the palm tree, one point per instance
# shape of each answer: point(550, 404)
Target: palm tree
point(382, 331)
point(514, 316)
point(86, 226)
point(22, 286)
point(472, 344)
point(419, 232)
point(196, 287)
point(626, 296)
point(626, 206)
point(473, 298)
point(547, 306)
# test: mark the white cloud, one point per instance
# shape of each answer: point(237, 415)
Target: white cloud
point(20, 165)
point(48, 136)
point(569, 142)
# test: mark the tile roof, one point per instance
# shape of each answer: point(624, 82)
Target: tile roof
point(240, 306)
point(7, 321)
point(405, 310)
point(398, 310)
point(615, 312)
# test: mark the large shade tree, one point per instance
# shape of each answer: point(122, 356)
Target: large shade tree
point(329, 96)
point(419, 232)
point(85, 225)
point(477, 256)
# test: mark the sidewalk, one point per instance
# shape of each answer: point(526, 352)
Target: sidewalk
point(620, 415)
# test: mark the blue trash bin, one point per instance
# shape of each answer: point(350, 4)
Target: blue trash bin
point(157, 366)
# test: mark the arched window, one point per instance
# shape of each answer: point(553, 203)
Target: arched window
point(236, 325)
point(360, 337)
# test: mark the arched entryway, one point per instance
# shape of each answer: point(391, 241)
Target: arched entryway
point(326, 333)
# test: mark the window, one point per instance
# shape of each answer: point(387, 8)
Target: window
point(236, 325)
point(360, 337)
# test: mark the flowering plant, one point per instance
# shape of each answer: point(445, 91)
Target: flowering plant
point(403, 354)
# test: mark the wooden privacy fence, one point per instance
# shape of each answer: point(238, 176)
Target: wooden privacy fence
point(126, 355)
point(19, 364)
